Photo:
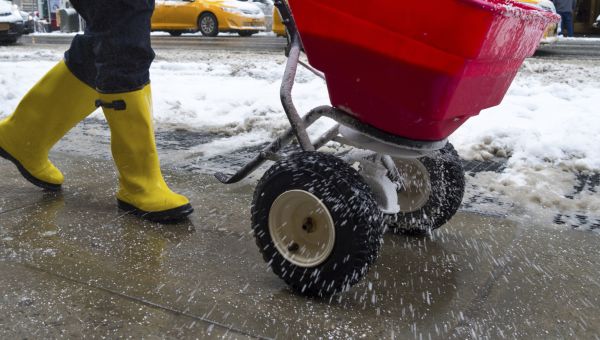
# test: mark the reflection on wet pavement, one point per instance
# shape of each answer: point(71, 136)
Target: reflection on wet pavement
point(72, 265)
point(180, 148)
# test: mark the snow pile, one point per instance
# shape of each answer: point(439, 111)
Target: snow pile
point(549, 118)
point(232, 94)
point(547, 129)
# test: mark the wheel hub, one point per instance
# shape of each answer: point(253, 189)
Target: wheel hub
point(207, 24)
point(301, 228)
point(416, 185)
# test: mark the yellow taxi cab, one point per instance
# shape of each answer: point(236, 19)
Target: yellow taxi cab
point(551, 34)
point(209, 17)
point(278, 26)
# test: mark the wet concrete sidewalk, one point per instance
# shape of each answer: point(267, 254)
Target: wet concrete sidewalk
point(72, 265)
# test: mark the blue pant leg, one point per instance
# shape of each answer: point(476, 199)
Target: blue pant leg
point(567, 21)
point(80, 58)
point(114, 54)
point(570, 24)
point(122, 45)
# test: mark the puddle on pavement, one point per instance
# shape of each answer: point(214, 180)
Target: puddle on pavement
point(177, 144)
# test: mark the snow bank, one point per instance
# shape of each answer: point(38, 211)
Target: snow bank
point(550, 117)
point(547, 128)
point(233, 94)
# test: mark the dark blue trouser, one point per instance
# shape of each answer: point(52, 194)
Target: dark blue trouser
point(567, 20)
point(114, 53)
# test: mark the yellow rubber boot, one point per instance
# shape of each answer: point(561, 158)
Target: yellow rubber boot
point(47, 112)
point(142, 189)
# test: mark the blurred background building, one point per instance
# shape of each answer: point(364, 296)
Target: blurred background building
point(45, 9)
point(585, 15)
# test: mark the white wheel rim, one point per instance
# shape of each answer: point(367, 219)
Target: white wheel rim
point(416, 189)
point(301, 228)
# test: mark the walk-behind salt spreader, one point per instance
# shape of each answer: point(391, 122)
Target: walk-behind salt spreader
point(402, 76)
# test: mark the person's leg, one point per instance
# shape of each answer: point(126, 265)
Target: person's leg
point(569, 23)
point(142, 189)
point(123, 54)
point(80, 58)
point(561, 24)
point(566, 23)
point(114, 54)
point(47, 112)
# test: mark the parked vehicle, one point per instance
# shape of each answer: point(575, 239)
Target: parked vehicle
point(278, 26)
point(209, 17)
point(551, 34)
point(266, 6)
point(28, 22)
point(11, 22)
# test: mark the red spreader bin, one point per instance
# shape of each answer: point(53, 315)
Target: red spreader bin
point(418, 69)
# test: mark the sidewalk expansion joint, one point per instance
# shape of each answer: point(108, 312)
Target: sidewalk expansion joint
point(150, 304)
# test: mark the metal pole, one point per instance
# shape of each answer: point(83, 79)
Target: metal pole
point(286, 96)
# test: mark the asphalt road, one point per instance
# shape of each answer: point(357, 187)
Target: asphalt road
point(565, 49)
point(194, 42)
point(568, 49)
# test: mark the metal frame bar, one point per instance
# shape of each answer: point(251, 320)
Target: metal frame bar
point(286, 16)
point(309, 119)
point(312, 69)
point(276, 146)
point(289, 76)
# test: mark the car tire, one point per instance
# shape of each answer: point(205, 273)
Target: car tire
point(434, 189)
point(247, 33)
point(208, 25)
point(9, 41)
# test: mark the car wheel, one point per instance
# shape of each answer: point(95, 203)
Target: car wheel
point(246, 33)
point(175, 33)
point(208, 25)
point(9, 41)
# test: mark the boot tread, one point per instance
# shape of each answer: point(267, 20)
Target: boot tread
point(165, 216)
point(28, 176)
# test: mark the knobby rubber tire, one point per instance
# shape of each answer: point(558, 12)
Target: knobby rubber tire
point(357, 219)
point(447, 180)
point(247, 33)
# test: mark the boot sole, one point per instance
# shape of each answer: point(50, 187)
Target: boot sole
point(166, 216)
point(28, 176)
